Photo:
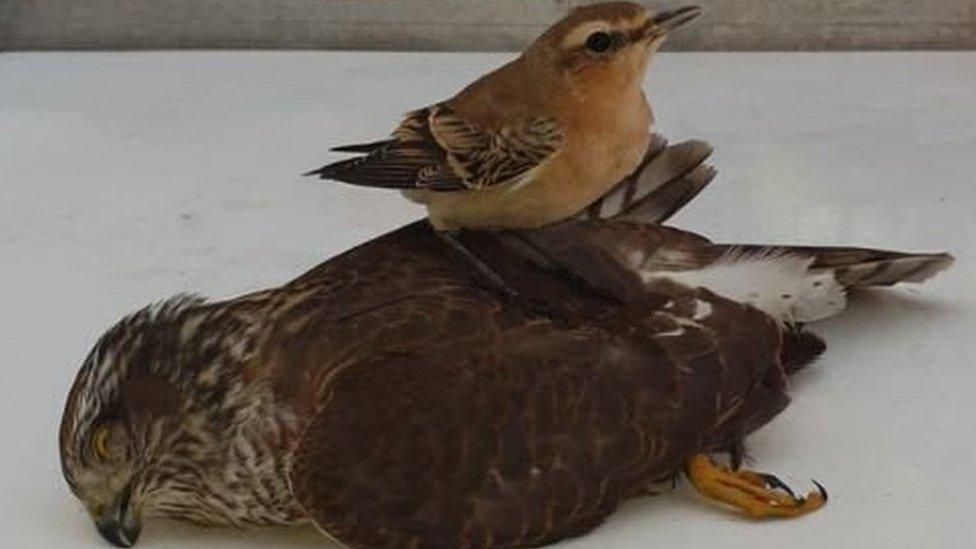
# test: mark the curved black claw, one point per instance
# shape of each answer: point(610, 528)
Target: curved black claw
point(823, 491)
point(772, 481)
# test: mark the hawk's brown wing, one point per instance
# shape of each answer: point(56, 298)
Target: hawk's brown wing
point(534, 433)
point(669, 177)
point(435, 149)
point(636, 247)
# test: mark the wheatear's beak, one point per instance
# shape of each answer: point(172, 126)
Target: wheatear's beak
point(667, 21)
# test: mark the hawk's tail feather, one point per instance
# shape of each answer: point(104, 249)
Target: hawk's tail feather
point(667, 179)
point(888, 268)
point(791, 283)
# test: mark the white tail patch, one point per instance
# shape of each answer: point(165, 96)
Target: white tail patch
point(781, 284)
point(703, 310)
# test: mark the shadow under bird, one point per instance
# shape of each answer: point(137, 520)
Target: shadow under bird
point(394, 399)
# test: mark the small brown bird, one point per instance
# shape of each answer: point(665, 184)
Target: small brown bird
point(392, 400)
point(535, 141)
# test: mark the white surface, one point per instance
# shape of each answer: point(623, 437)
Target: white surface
point(125, 178)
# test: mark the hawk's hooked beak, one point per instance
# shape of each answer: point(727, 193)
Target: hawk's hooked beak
point(117, 522)
point(667, 21)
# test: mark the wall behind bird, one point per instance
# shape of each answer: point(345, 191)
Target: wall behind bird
point(468, 24)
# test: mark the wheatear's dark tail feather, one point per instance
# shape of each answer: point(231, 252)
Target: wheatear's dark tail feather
point(362, 148)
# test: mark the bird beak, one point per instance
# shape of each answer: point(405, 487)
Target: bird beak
point(118, 523)
point(667, 21)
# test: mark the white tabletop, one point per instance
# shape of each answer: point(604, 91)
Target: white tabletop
point(125, 178)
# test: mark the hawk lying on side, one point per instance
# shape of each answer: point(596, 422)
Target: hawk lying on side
point(395, 401)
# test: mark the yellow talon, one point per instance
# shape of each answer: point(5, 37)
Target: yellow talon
point(756, 494)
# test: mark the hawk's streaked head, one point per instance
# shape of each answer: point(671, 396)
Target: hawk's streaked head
point(122, 429)
point(164, 420)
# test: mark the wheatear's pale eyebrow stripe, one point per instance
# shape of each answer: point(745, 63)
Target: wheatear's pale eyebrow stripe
point(578, 36)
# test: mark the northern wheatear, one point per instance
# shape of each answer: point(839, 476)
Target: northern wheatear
point(535, 141)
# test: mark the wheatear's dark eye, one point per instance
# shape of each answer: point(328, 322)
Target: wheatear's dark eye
point(599, 42)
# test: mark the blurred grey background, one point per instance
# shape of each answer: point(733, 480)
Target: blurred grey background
point(468, 24)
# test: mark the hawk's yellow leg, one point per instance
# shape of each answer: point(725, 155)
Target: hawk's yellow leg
point(756, 494)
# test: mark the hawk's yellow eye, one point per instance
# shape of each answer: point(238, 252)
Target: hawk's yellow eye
point(100, 442)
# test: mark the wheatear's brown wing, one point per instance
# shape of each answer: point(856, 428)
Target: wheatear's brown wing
point(536, 432)
point(435, 149)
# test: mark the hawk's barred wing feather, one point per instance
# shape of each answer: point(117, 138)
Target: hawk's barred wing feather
point(667, 179)
point(852, 267)
point(791, 283)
